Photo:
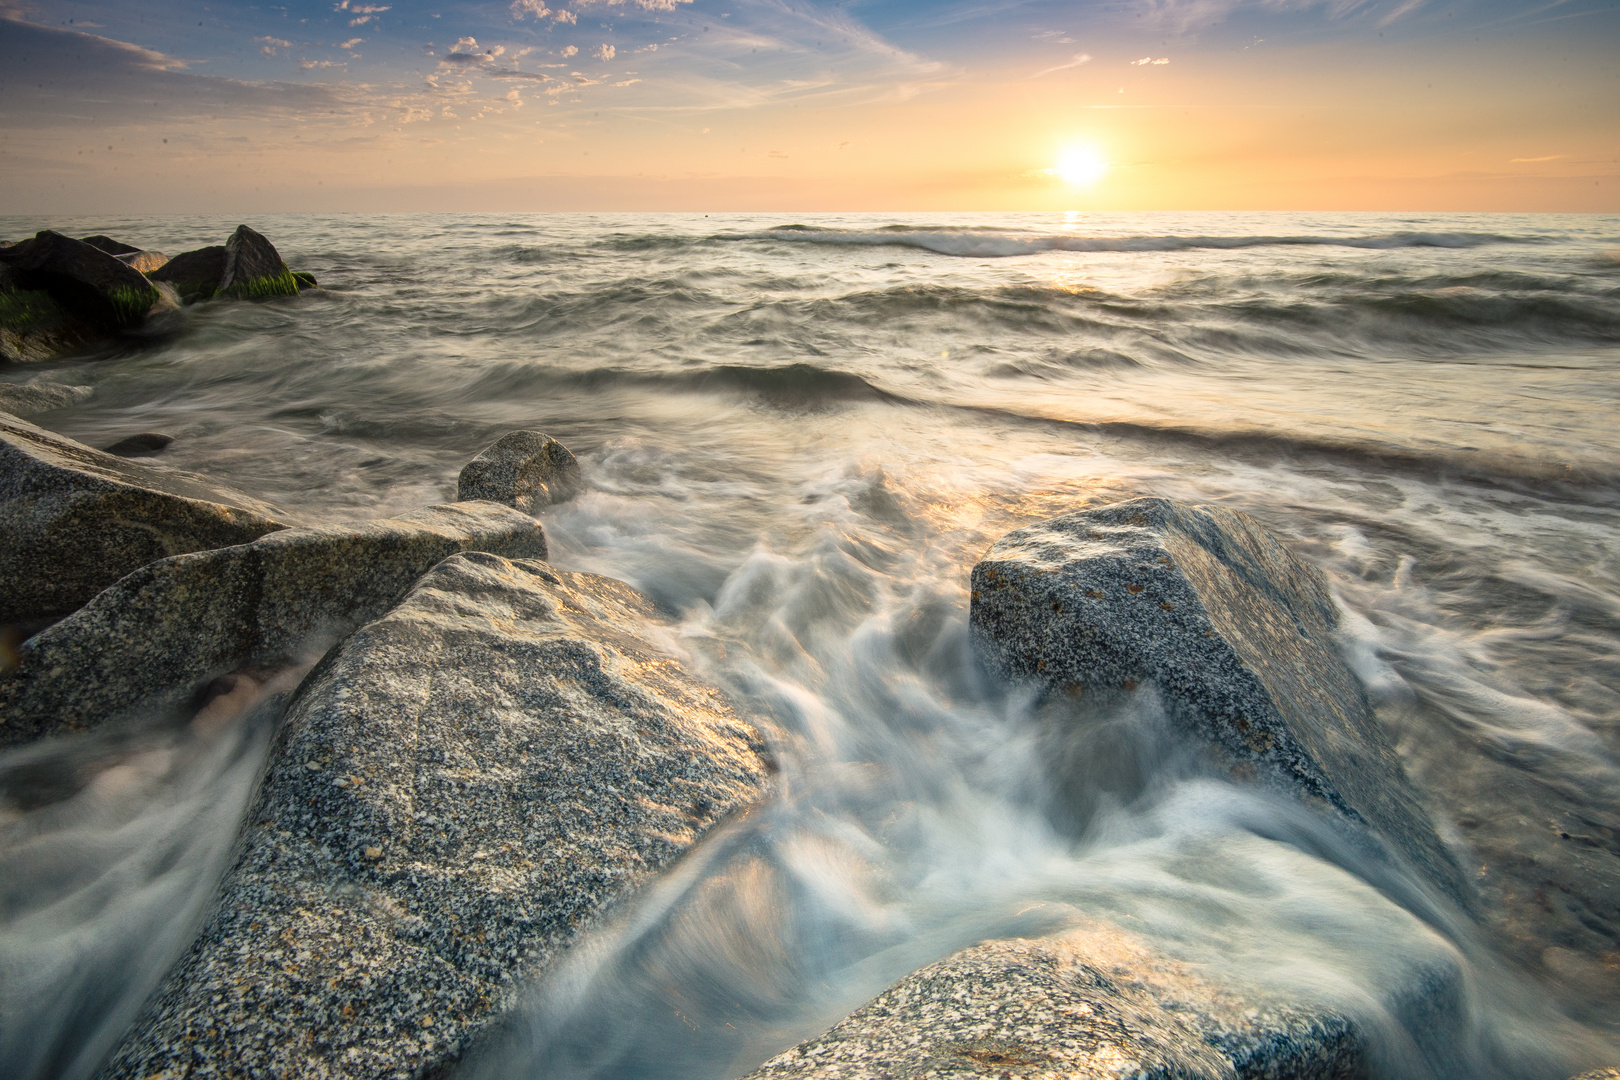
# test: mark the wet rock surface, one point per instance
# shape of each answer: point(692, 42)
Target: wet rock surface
point(171, 625)
point(73, 520)
point(195, 275)
point(1233, 630)
point(459, 790)
point(253, 268)
point(142, 444)
point(87, 283)
point(524, 469)
point(39, 395)
point(1090, 1004)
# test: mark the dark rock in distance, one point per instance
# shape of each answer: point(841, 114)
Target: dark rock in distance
point(33, 326)
point(523, 469)
point(171, 625)
point(459, 791)
point(88, 284)
point(1232, 628)
point(195, 275)
point(109, 245)
point(142, 445)
point(73, 520)
point(253, 268)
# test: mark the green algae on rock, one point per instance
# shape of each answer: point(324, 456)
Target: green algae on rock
point(73, 519)
point(1234, 631)
point(254, 269)
point(86, 282)
point(171, 625)
point(460, 790)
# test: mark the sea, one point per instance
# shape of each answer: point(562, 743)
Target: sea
point(798, 432)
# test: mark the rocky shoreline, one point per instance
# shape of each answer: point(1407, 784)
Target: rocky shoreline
point(59, 294)
point(476, 757)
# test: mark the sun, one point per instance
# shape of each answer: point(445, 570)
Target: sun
point(1080, 166)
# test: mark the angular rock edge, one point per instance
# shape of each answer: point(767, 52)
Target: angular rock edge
point(1233, 629)
point(73, 520)
point(458, 790)
point(171, 625)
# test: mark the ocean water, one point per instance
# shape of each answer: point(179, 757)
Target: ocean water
point(798, 434)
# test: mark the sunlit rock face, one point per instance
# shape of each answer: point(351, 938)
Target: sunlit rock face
point(170, 626)
point(73, 520)
point(1099, 1003)
point(458, 791)
point(1232, 629)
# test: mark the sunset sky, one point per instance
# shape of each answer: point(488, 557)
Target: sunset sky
point(138, 106)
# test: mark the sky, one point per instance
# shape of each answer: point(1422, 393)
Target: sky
point(139, 106)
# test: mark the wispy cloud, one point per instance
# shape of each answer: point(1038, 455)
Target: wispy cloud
point(1079, 58)
point(1530, 160)
point(1146, 60)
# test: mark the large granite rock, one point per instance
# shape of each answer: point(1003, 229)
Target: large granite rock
point(1095, 1004)
point(171, 625)
point(461, 788)
point(91, 285)
point(195, 275)
point(253, 268)
point(1233, 630)
point(73, 520)
point(523, 469)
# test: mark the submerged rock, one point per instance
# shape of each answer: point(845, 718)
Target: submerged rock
point(305, 280)
point(88, 284)
point(253, 268)
point(40, 394)
point(1091, 1003)
point(523, 469)
point(171, 625)
point(195, 275)
point(141, 445)
point(462, 787)
point(73, 520)
point(1234, 631)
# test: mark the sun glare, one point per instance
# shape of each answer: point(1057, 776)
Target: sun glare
point(1080, 166)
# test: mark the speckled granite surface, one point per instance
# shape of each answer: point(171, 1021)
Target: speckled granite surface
point(459, 789)
point(1233, 630)
point(1091, 1004)
point(73, 520)
point(173, 624)
point(522, 469)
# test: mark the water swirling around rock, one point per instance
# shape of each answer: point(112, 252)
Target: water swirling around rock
point(799, 441)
